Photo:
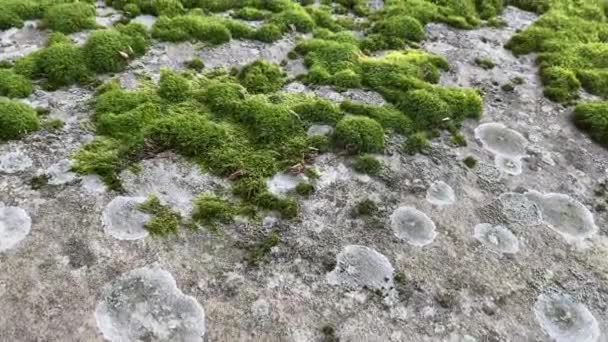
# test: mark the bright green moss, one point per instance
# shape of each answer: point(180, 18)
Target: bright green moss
point(106, 51)
point(426, 108)
point(296, 17)
point(116, 100)
point(391, 32)
point(127, 125)
point(595, 81)
point(14, 85)
point(261, 77)
point(173, 87)
point(168, 8)
point(191, 27)
point(268, 33)
point(9, 19)
point(359, 134)
point(462, 103)
point(367, 164)
point(269, 123)
point(70, 17)
point(164, 220)
point(287, 207)
point(188, 134)
point(388, 116)
point(592, 117)
point(239, 30)
point(561, 85)
point(16, 119)
point(346, 79)
point(318, 111)
point(59, 64)
point(224, 97)
point(211, 210)
point(131, 10)
point(251, 13)
point(195, 64)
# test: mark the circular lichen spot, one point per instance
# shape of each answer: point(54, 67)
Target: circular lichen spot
point(497, 238)
point(413, 226)
point(501, 140)
point(565, 215)
point(565, 320)
point(441, 194)
point(13, 162)
point(146, 305)
point(122, 220)
point(360, 266)
point(519, 209)
point(15, 224)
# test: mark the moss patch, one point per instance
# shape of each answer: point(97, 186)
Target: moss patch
point(16, 119)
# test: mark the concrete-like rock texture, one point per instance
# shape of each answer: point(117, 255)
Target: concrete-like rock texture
point(64, 276)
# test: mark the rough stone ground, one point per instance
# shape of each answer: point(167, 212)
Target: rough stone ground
point(456, 288)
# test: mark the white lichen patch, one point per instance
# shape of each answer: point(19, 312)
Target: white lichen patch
point(146, 20)
point(282, 183)
point(413, 226)
point(441, 194)
point(13, 162)
point(499, 139)
point(497, 238)
point(360, 266)
point(173, 180)
point(60, 173)
point(565, 320)
point(123, 220)
point(320, 130)
point(508, 165)
point(15, 224)
point(518, 208)
point(565, 215)
point(146, 305)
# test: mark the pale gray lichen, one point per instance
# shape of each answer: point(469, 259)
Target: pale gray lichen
point(15, 225)
point(61, 173)
point(501, 140)
point(13, 162)
point(441, 194)
point(508, 165)
point(565, 215)
point(361, 266)
point(565, 320)
point(146, 305)
point(323, 130)
point(123, 220)
point(518, 208)
point(497, 238)
point(282, 183)
point(413, 226)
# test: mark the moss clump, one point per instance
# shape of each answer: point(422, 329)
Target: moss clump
point(268, 33)
point(251, 13)
point(425, 107)
point(592, 117)
point(261, 77)
point(14, 85)
point(485, 63)
point(191, 27)
point(70, 17)
point(195, 64)
point(359, 134)
point(305, 189)
point(318, 111)
point(416, 143)
point(367, 164)
point(164, 220)
point(259, 251)
point(109, 50)
point(470, 162)
point(295, 17)
point(561, 85)
point(366, 207)
point(16, 119)
point(388, 116)
point(131, 10)
point(392, 32)
point(173, 87)
point(212, 210)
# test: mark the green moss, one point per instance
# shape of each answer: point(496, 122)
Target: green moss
point(366, 207)
point(561, 85)
point(191, 27)
point(109, 50)
point(485, 63)
point(173, 87)
point(9, 19)
point(592, 117)
point(305, 189)
point(70, 17)
point(16, 119)
point(392, 32)
point(131, 10)
point(296, 17)
point(346, 79)
point(359, 134)
point(168, 8)
point(261, 77)
point(251, 13)
point(53, 125)
point(14, 85)
point(268, 33)
point(164, 220)
point(425, 107)
point(211, 210)
point(318, 111)
point(470, 162)
point(416, 143)
point(195, 64)
point(367, 164)
point(259, 251)
point(388, 116)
